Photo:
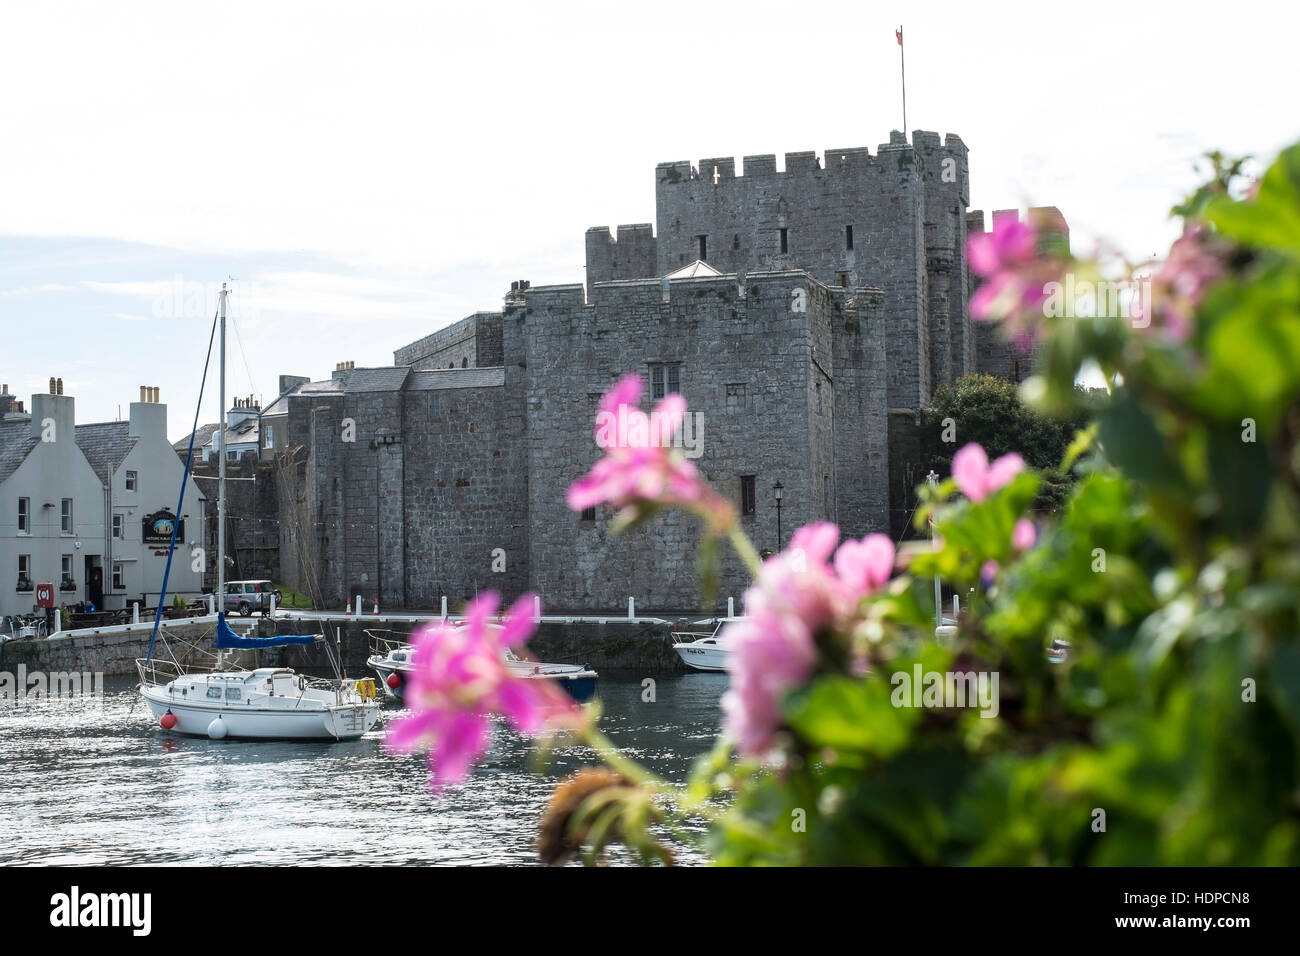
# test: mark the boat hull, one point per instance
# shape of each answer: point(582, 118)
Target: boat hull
point(580, 686)
point(335, 722)
point(711, 658)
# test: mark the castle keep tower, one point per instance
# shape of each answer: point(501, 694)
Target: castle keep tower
point(895, 221)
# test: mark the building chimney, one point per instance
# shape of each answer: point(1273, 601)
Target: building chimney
point(148, 417)
point(56, 410)
point(52, 392)
point(59, 382)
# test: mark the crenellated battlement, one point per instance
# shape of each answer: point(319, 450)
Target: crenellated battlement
point(718, 170)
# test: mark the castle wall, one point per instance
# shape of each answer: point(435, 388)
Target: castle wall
point(907, 235)
point(473, 342)
point(630, 255)
point(746, 366)
point(861, 433)
point(464, 491)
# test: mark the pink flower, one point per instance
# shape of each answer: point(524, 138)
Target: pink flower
point(798, 594)
point(864, 566)
point(773, 649)
point(460, 677)
point(1195, 263)
point(988, 571)
point(1004, 257)
point(976, 478)
point(1023, 535)
point(1016, 277)
point(640, 468)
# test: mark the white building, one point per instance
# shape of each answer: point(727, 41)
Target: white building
point(89, 508)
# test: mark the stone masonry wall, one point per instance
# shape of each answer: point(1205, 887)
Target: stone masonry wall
point(886, 201)
point(746, 364)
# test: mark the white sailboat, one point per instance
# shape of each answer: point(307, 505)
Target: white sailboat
point(265, 703)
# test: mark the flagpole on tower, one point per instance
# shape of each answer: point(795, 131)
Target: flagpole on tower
point(902, 62)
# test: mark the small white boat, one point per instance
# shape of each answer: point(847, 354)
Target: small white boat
point(267, 703)
point(394, 660)
point(702, 649)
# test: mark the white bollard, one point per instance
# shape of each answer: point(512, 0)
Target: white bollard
point(731, 607)
point(212, 604)
point(358, 605)
point(444, 607)
point(135, 612)
point(956, 606)
point(376, 607)
point(537, 607)
point(272, 605)
point(631, 608)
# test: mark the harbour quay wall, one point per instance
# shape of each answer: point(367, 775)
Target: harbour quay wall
point(113, 651)
point(612, 644)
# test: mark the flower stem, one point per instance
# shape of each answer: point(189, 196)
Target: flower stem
point(745, 549)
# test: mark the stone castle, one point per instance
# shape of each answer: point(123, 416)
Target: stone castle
point(808, 313)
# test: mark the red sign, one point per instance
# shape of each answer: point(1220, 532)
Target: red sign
point(45, 595)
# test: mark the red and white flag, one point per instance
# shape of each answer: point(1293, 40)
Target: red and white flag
point(899, 34)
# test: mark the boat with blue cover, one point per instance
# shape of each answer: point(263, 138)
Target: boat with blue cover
point(393, 661)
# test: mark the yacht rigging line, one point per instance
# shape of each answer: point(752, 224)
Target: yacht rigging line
point(180, 499)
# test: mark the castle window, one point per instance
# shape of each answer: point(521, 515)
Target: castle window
point(704, 247)
point(665, 380)
point(848, 237)
point(842, 278)
point(464, 363)
point(748, 499)
point(785, 241)
point(589, 514)
point(736, 395)
point(735, 241)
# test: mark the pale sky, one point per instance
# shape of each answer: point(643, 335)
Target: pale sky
point(367, 173)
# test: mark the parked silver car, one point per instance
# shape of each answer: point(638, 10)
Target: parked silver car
point(245, 597)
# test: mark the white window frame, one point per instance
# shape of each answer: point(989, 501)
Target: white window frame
point(24, 515)
point(270, 436)
point(66, 568)
point(119, 527)
point(119, 572)
point(25, 566)
point(65, 516)
point(132, 480)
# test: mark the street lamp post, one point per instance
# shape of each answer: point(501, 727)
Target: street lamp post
point(778, 490)
point(933, 481)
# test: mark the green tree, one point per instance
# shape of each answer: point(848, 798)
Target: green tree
point(988, 410)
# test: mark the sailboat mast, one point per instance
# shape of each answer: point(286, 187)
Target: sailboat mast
point(221, 465)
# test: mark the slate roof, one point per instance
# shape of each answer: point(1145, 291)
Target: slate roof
point(437, 378)
point(201, 437)
point(105, 445)
point(372, 379)
point(15, 442)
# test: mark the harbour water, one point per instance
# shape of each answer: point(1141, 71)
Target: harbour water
point(94, 783)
